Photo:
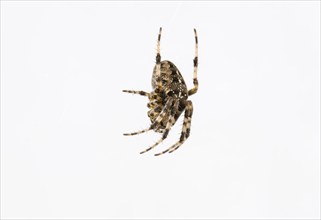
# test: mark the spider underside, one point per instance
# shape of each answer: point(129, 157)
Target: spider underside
point(169, 99)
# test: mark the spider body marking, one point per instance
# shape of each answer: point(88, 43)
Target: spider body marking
point(169, 99)
point(171, 86)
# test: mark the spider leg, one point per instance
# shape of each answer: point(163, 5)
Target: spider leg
point(137, 132)
point(185, 130)
point(157, 120)
point(158, 59)
point(195, 81)
point(169, 124)
point(164, 111)
point(137, 92)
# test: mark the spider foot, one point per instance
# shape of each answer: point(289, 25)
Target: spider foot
point(137, 92)
point(138, 132)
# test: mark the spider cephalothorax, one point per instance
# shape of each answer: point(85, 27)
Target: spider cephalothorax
point(169, 99)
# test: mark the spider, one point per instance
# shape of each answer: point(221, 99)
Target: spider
point(169, 99)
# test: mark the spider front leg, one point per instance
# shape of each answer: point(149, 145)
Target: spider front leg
point(185, 130)
point(137, 92)
point(169, 125)
point(159, 118)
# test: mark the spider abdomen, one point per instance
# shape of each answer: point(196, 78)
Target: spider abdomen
point(170, 80)
point(168, 84)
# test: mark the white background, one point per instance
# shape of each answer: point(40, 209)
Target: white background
point(254, 145)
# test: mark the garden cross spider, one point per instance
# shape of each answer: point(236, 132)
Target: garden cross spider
point(169, 99)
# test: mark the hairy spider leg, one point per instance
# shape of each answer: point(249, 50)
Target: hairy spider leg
point(157, 120)
point(185, 130)
point(137, 92)
point(168, 105)
point(158, 60)
point(195, 81)
point(137, 132)
point(168, 127)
